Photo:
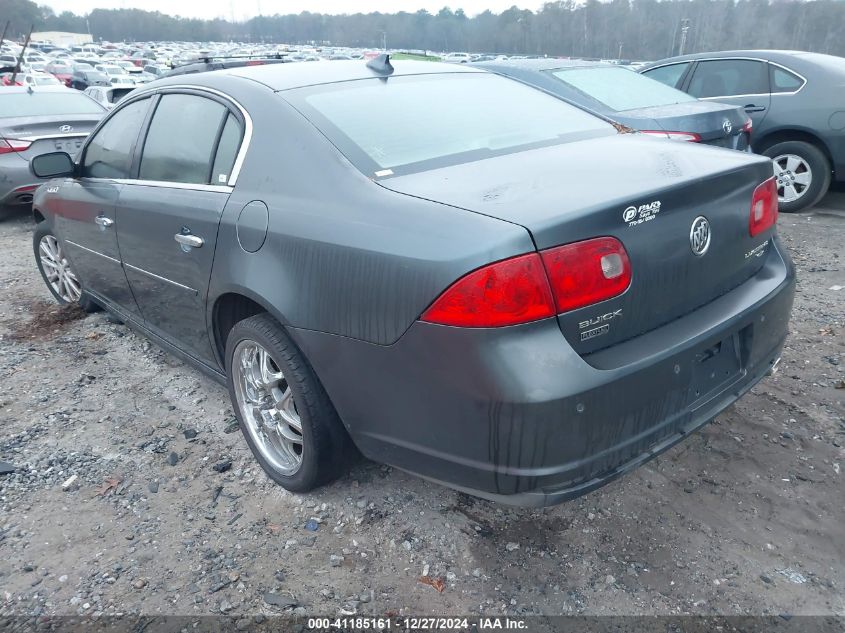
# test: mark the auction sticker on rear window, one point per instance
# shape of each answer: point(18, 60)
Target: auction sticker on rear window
point(643, 213)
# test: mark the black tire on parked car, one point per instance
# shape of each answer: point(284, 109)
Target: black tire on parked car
point(285, 413)
point(812, 166)
point(56, 270)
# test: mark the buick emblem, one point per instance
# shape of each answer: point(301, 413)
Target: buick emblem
point(66, 129)
point(727, 126)
point(699, 236)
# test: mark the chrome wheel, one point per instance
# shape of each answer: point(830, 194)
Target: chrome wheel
point(793, 175)
point(267, 406)
point(57, 270)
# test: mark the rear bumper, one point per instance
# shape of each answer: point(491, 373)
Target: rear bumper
point(515, 415)
point(17, 184)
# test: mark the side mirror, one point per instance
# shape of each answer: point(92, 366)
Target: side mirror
point(52, 165)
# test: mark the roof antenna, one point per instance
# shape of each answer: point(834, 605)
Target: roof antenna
point(381, 64)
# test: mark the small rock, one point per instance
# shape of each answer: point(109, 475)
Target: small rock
point(173, 459)
point(766, 579)
point(222, 467)
point(335, 560)
point(140, 583)
point(512, 546)
point(609, 580)
point(231, 426)
point(243, 624)
point(63, 578)
point(311, 525)
point(153, 487)
point(279, 601)
point(189, 434)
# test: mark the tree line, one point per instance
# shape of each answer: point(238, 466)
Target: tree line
point(627, 29)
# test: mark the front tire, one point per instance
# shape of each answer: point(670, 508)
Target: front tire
point(286, 416)
point(56, 270)
point(802, 173)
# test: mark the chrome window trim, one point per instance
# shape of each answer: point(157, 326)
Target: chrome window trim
point(159, 277)
point(748, 59)
point(85, 248)
point(170, 185)
point(247, 138)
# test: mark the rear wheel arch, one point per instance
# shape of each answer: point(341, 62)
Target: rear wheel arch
point(783, 136)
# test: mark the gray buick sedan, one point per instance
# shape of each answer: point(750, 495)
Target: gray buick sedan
point(439, 267)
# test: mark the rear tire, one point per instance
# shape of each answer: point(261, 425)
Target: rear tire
point(286, 416)
point(56, 270)
point(802, 172)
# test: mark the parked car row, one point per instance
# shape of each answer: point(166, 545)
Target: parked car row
point(463, 274)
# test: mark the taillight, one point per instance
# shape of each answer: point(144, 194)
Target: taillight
point(8, 146)
point(535, 286)
point(764, 207)
point(508, 292)
point(585, 273)
point(690, 137)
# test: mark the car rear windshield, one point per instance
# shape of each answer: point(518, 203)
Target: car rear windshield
point(620, 89)
point(46, 103)
point(411, 123)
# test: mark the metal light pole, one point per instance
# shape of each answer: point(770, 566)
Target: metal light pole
point(685, 26)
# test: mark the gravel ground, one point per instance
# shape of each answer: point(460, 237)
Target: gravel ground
point(135, 491)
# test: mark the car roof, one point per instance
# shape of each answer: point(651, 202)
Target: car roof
point(288, 76)
point(541, 64)
point(51, 88)
point(768, 54)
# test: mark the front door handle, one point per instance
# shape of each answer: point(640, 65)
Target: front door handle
point(754, 108)
point(186, 239)
point(103, 221)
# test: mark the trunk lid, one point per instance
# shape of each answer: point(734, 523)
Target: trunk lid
point(50, 134)
point(645, 192)
point(717, 124)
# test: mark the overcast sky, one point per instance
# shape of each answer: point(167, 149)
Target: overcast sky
point(243, 9)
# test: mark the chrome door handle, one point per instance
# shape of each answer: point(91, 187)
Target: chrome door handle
point(103, 221)
point(194, 241)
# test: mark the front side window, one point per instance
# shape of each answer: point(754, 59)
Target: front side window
point(669, 75)
point(729, 77)
point(427, 121)
point(181, 140)
point(109, 153)
point(619, 88)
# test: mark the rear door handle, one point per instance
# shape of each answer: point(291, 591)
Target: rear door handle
point(186, 239)
point(754, 108)
point(103, 221)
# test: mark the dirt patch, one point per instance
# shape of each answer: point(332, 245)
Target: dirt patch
point(48, 320)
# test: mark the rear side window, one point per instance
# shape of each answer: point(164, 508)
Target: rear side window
point(669, 75)
point(729, 77)
point(421, 122)
point(227, 150)
point(109, 153)
point(784, 81)
point(181, 139)
point(620, 89)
